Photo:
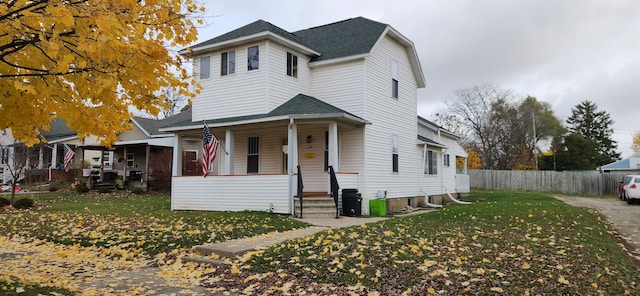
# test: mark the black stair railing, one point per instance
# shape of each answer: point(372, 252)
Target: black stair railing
point(334, 188)
point(300, 187)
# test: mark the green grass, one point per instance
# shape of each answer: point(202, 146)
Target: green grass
point(11, 287)
point(505, 242)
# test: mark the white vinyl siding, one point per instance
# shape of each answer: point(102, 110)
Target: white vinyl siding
point(341, 85)
point(281, 87)
point(391, 117)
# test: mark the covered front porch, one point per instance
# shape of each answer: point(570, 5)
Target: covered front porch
point(256, 163)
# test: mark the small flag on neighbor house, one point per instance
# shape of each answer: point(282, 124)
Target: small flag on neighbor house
point(68, 156)
point(209, 149)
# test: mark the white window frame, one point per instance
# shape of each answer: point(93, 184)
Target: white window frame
point(229, 67)
point(205, 72)
point(253, 151)
point(431, 163)
point(131, 159)
point(292, 65)
point(395, 157)
point(395, 85)
point(446, 160)
point(249, 68)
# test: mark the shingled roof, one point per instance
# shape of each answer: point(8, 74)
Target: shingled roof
point(342, 39)
point(302, 105)
point(59, 130)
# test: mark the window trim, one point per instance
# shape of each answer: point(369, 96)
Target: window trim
point(395, 158)
point(292, 65)
point(255, 154)
point(208, 72)
point(431, 163)
point(395, 85)
point(446, 160)
point(227, 65)
point(249, 68)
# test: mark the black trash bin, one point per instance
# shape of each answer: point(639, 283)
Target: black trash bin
point(351, 203)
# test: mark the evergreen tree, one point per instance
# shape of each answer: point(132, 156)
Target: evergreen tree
point(588, 122)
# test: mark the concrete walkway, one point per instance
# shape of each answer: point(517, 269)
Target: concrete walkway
point(233, 248)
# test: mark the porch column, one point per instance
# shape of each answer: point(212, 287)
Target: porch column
point(292, 160)
point(333, 146)
point(41, 156)
point(176, 170)
point(54, 156)
point(229, 143)
point(146, 173)
point(465, 166)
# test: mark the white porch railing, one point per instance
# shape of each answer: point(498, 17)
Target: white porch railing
point(463, 183)
point(231, 193)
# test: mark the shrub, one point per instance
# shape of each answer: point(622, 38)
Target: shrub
point(137, 190)
point(53, 189)
point(82, 188)
point(23, 203)
point(4, 202)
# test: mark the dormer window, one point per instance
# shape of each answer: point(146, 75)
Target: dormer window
point(205, 67)
point(253, 58)
point(228, 63)
point(292, 65)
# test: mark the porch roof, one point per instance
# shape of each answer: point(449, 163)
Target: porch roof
point(299, 107)
point(424, 140)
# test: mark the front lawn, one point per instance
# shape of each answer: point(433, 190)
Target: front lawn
point(511, 243)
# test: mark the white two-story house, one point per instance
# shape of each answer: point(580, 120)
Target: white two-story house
point(341, 95)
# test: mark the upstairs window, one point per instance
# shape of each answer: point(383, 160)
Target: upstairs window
point(394, 79)
point(292, 65)
point(205, 67)
point(228, 63)
point(253, 58)
point(446, 161)
point(394, 153)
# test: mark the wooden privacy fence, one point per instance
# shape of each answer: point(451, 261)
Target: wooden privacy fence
point(572, 183)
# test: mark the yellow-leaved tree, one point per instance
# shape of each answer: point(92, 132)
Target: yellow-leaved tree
point(89, 61)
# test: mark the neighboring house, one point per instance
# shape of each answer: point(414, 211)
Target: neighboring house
point(128, 159)
point(630, 165)
point(341, 95)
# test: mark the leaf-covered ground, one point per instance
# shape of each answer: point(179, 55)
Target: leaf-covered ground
point(504, 243)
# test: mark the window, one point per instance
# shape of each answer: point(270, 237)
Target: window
point(394, 153)
point(253, 58)
point(4, 155)
point(292, 65)
point(394, 79)
point(130, 159)
point(190, 165)
point(205, 67)
point(228, 63)
point(445, 161)
point(253, 149)
point(431, 163)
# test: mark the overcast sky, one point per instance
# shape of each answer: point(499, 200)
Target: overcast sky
point(559, 51)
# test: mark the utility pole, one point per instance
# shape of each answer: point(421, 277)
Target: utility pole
point(535, 157)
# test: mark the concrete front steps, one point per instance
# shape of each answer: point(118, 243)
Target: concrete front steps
point(315, 205)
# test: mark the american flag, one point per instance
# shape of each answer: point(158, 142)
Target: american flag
point(68, 156)
point(209, 148)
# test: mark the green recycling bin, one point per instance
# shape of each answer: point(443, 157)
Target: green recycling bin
point(378, 207)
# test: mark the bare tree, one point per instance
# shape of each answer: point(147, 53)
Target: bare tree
point(475, 107)
point(16, 165)
point(175, 102)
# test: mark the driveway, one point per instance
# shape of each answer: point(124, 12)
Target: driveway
point(624, 217)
